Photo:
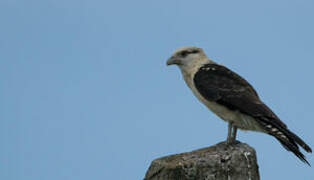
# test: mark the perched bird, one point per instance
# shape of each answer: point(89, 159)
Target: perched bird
point(232, 98)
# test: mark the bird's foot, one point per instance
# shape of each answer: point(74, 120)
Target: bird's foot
point(231, 141)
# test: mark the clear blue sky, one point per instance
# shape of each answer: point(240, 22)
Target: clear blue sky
point(85, 93)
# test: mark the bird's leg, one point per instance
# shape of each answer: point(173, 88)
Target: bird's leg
point(230, 127)
point(234, 133)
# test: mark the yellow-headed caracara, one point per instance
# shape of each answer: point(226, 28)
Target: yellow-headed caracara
point(232, 98)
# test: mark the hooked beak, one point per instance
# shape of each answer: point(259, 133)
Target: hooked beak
point(173, 60)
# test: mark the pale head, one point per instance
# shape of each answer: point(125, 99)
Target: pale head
point(187, 56)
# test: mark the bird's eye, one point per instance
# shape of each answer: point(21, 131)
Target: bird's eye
point(184, 53)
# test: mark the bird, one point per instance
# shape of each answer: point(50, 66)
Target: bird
point(232, 98)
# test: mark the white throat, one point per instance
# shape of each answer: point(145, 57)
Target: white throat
point(188, 70)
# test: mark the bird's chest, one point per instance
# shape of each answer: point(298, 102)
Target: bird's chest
point(221, 111)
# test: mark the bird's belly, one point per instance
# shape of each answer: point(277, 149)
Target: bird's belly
point(221, 111)
point(242, 121)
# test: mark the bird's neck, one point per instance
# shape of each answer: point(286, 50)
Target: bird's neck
point(188, 70)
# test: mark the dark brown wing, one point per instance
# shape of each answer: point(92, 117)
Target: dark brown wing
point(219, 84)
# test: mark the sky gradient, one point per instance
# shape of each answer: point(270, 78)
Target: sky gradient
point(85, 92)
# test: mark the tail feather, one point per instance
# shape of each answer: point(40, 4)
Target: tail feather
point(290, 146)
point(287, 138)
point(297, 139)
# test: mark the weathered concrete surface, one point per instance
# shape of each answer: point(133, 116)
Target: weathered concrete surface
point(219, 162)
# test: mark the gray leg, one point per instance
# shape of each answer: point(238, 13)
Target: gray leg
point(234, 133)
point(230, 127)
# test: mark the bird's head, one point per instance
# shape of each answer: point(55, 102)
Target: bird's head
point(187, 56)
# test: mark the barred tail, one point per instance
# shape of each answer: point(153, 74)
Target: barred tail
point(288, 139)
point(292, 146)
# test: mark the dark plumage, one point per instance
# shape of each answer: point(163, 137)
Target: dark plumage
point(219, 84)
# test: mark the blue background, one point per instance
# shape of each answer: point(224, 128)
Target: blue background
point(85, 93)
